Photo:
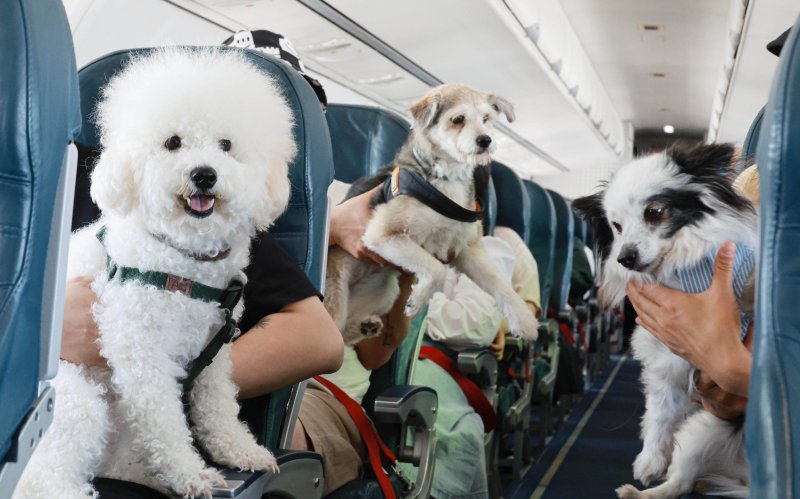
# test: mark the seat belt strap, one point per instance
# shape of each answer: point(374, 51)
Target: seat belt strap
point(475, 396)
point(376, 449)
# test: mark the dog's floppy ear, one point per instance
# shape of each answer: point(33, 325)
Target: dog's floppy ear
point(590, 208)
point(502, 105)
point(113, 188)
point(426, 110)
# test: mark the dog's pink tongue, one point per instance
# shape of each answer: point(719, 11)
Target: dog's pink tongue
point(201, 203)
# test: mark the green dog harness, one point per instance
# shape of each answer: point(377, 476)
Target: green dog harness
point(227, 299)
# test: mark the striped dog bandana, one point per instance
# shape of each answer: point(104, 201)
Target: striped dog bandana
point(697, 279)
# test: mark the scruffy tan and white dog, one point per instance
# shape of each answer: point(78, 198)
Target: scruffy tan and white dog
point(451, 137)
point(196, 146)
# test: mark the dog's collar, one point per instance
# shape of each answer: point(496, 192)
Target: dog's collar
point(407, 182)
point(200, 257)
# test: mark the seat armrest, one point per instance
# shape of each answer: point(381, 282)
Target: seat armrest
point(300, 477)
point(414, 408)
point(594, 306)
point(479, 363)
point(567, 316)
point(407, 404)
point(582, 312)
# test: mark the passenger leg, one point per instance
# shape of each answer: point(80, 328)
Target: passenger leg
point(70, 452)
point(215, 414)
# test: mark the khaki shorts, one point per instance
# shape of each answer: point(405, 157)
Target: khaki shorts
point(334, 435)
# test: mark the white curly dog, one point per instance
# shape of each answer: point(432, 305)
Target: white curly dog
point(195, 153)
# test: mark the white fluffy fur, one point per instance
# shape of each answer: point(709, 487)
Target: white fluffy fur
point(127, 421)
point(680, 440)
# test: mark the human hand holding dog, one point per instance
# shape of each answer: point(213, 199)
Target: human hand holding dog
point(701, 328)
point(348, 222)
point(79, 332)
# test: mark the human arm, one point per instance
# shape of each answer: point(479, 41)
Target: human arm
point(348, 222)
point(701, 328)
point(376, 351)
point(79, 332)
point(289, 346)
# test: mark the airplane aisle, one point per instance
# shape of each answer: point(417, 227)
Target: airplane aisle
point(592, 453)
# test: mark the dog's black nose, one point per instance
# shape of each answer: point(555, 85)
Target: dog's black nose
point(483, 141)
point(203, 177)
point(628, 257)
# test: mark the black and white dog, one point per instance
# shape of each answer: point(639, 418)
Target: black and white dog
point(660, 219)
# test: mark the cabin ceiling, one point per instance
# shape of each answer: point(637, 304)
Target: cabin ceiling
point(472, 41)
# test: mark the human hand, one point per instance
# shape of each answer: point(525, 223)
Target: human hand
point(701, 328)
point(79, 332)
point(348, 222)
point(498, 346)
point(717, 401)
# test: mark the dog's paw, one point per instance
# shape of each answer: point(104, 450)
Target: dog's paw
point(628, 492)
point(196, 485)
point(371, 327)
point(649, 466)
point(524, 323)
point(421, 293)
point(253, 458)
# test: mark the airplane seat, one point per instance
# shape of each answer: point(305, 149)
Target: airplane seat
point(301, 231)
point(563, 252)
point(545, 363)
point(364, 140)
point(750, 145)
point(40, 117)
point(515, 394)
point(772, 423)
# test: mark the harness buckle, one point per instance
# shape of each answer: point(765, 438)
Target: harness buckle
point(231, 296)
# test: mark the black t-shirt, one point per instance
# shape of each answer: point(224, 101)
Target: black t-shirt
point(274, 281)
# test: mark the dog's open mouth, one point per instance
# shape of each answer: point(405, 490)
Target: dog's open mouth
point(199, 205)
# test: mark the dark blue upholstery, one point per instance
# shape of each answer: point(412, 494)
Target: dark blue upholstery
point(542, 237)
point(363, 139)
point(300, 230)
point(39, 116)
point(513, 205)
point(563, 253)
point(750, 145)
point(773, 413)
point(490, 213)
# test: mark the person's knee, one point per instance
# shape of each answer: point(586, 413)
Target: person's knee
point(300, 440)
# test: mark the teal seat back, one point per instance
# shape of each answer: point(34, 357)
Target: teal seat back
point(39, 117)
point(301, 230)
point(772, 426)
point(542, 241)
point(565, 231)
point(513, 205)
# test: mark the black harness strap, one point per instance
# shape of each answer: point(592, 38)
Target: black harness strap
point(405, 182)
point(227, 298)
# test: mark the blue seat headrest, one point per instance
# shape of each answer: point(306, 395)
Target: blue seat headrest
point(301, 229)
point(562, 273)
point(363, 139)
point(773, 411)
point(542, 237)
point(513, 205)
point(39, 116)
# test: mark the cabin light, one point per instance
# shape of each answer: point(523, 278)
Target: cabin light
point(651, 27)
point(381, 80)
point(326, 46)
point(669, 129)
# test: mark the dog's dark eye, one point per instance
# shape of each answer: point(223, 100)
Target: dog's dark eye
point(225, 145)
point(173, 143)
point(617, 227)
point(655, 213)
point(486, 118)
point(458, 120)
